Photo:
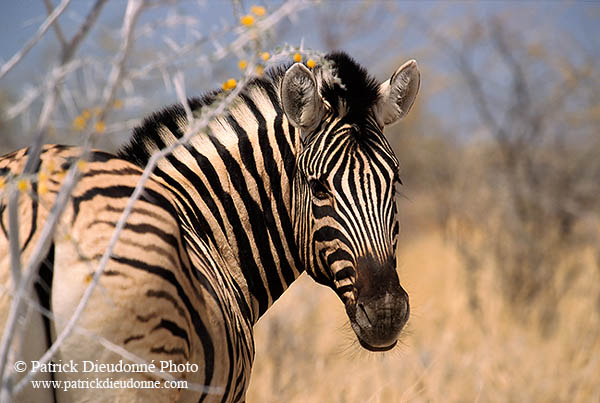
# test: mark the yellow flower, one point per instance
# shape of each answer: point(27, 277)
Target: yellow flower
point(260, 70)
point(229, 84)
point(258, 10)
point(79, 123)
point(50, 166)
point(22, 185)
point(42, 182)
point(2, 183)
point(85, 114)
point(242, 64)
point(266, 56)
point(297, 57)
point(100, 126)
point(81, 165)
point(42, 188)
point(310, 63)
point(247, 20)
point(118, 104)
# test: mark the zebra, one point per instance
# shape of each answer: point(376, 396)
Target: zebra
point(296, 176)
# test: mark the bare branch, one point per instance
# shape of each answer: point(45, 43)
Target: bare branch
point(23, 283)
point(15, 252)
point(39, 252)
point(134, 8)
point(6, 67)
point(110, 346)
point(57, 30)
point(89, 21)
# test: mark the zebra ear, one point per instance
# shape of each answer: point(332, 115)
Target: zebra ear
point(397, 95)
point(300, 98)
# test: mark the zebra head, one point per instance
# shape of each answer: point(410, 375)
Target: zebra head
point(345, 213)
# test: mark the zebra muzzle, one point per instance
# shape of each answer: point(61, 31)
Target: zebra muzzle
point(381, 308)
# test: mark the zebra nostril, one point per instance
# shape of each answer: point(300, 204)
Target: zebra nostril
point(364, 311)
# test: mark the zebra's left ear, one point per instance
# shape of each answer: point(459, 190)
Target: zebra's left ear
point(300, 98)
point(397, 95)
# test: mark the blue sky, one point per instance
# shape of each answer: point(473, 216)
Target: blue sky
point(20, 19)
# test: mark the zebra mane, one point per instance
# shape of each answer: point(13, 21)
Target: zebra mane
point(357, 93)
point(351, 92)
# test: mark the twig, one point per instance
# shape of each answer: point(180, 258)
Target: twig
point(134, 8)
point(15, 253)
point(57, 30)
point(49, 82)
point(6, 67)
point(42, 246)
point(15, 268)
point(38, 254)
point(22, 283)
point(110, 346)
point(84, 28)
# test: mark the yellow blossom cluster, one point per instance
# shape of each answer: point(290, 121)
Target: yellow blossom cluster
point(48, 169)
point(100, 126)
point(229, 84)
point(80, 121)
point(259, 11)
point(242, 64)
point(266, 56)
point(22, 185)
point(249, 19)
point(81, 165)
point(43, 182)
point(310, 63)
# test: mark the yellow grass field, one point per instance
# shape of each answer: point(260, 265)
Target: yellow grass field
point(306, 351)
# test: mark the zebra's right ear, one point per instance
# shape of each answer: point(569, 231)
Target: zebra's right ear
point(300, 98)
point(397, 95)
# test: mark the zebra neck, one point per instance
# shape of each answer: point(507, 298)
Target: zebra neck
point(257, 150)
point(233, 188)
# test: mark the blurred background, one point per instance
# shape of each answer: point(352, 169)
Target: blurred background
point(500, 208)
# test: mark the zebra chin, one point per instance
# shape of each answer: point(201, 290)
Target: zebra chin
point(378, 325)
point(381, 308)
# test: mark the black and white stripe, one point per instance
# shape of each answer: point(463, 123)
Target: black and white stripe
point(296, 176)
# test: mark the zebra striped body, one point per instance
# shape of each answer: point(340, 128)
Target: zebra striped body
point(280, 184)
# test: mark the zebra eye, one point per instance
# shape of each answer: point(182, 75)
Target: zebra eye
point(318, 189)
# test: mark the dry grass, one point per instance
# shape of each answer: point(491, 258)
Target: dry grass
point(306, 351)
